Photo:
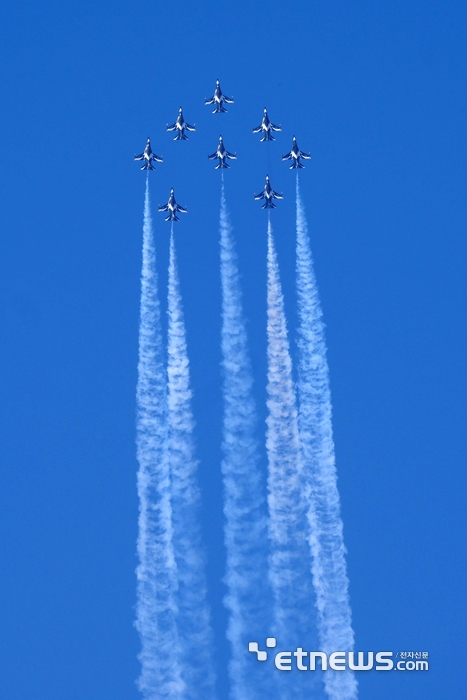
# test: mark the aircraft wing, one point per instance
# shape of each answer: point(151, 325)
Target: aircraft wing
point(276, 195)
point(288, 156)
point(182, 209)
point(274, 127)
point(165, 207)
point(258, 129)
point(188, 127)
point(209, 101)
point(158, 159)
point(229, 100)
point(305, 155)
point(259, 196)
point(232, 156)
point(139, 157)
point(171, 128)
point(213, 156)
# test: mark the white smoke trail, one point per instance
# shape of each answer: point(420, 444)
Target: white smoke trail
point(326, 530)
point(193, 619)
point(290, 556)
point(244, 502)
point(156, 572)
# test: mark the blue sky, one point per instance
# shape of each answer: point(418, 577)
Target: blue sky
point(376, 92)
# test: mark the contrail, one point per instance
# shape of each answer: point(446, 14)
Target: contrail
point(156, 572)
point(289, 567)
point(244, 497)
point(193, 619)
point(326, 530)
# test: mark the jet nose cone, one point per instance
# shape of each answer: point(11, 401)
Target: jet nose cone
point(267, 178)
point(220, 138)
point(217, 83)
point(265, 110)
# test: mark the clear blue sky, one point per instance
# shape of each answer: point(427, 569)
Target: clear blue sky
point(376, 92)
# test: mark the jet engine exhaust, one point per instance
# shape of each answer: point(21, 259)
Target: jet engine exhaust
point(315, 424)
point(156, 575)
point(193, 616)
point(289, 562)
point(245, 530)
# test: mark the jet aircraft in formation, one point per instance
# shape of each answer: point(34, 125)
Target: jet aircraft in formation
point(172, 207)
point(222, 154)
point(266, 127)
point(295, 155)
point(218, 100)
point(268, 195)
point(149, 157)
point(180, 125)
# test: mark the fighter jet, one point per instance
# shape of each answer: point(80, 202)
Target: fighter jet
point(180, 125)
point(295, 155)
point(268, 195)
point(148, 156)
point(218, 99)
point(172, 207)
point(266, 127)
point(222, 154)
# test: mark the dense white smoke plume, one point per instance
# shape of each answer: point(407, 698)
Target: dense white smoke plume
point(303, 523)
point(326, 530)
point(289, 567)
point(156, 573)
point(193, 619)
point(244, 490)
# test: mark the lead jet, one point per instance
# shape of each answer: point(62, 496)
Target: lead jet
point(172, 207)
point(266, 127)
point(149, 157)
point(295, 155)
point(218, 99)
point(268, 195)
point(180, 125)
point(222, 154)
